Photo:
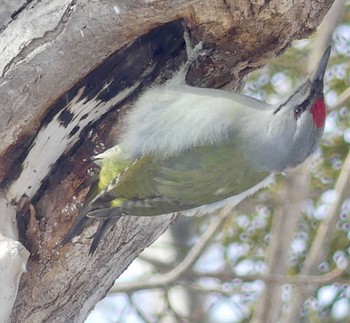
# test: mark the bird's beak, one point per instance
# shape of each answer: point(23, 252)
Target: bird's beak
point(318, 74)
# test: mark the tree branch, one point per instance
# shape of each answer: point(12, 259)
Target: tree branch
point(334, 276)
point(284, 225)
point(180, 270)
point(320, 245)
point(270, 303)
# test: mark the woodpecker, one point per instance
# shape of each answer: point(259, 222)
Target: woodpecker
point(195, 150)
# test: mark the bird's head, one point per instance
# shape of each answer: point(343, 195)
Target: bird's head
point(301, 118)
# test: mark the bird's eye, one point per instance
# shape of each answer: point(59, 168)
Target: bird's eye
point(297, 112)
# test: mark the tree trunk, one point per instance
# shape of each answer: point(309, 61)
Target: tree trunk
point(69, 69)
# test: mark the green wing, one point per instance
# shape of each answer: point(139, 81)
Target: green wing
point(202, 175)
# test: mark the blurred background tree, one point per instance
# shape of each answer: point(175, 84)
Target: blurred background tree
point(283, 254)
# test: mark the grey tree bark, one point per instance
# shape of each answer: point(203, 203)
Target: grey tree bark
point(69, 69)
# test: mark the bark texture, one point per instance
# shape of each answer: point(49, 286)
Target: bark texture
point(69, 69)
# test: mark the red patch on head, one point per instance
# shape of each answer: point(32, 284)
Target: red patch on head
point(318, 111)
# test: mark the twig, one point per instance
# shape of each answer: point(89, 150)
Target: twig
point(322, 240)
point(342, 99)
point(138, 310)
point(270, 304)
point(300, 280)
point(325, 31)
point(175, 274)
point(284, 225)
point(333, 276)
point(177, 317)
point(159, 266)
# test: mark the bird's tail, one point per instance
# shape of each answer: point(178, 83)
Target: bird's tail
point(103, 227)
point(115, 163)
point(82, 221)
point(107, 217)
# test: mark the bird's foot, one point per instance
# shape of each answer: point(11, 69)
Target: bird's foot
point(192, 52)
point(192, 55)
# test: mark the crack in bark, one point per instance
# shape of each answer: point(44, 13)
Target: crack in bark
point(20, 9)
point(15, 14)
point(46, 38)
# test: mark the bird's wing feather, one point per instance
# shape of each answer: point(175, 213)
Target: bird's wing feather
point(202, 175)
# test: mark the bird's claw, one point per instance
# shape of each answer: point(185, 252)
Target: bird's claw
point(193, 52)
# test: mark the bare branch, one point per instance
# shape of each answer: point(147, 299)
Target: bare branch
point(320, 246)
point(284, 226)
point(270, 303)
point(175, 274)
point(331, 277)
point(341, 100)
point(324, 32)
point(334, 276)
point(138, 310)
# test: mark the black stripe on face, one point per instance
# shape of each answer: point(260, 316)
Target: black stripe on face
point(303, 105)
